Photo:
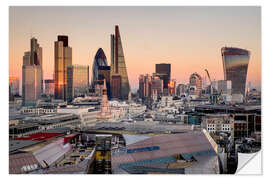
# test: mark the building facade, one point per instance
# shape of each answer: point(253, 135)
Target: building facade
point(77, 81)
point(32, 75)
point(14, 84)
point(63, 58)
point(31, 84)
point(164, 72)
point(118, 67)
point(100, 60)
point(49, 86)
point(195, 83)
point(235, 67)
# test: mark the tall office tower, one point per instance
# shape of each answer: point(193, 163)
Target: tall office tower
point(118, 67)
point(99, 61)
point(141, 86)
point(105, 111)
point(27, 58)
point(235, 66)
point(157, 85)
point(164, 72)
point(104, 73)
point(172, 87)
point(195, 83)
point(32, 76)
point(181, 89)
point(49, 86)
point(77, 81)
point(36, 57)
point(31, 86)
point(145, 86)
point(63, 58)
point(14, 84)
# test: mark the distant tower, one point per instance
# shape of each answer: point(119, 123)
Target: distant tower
point(105, 111)
point(63, 59)
point(32, 80)
point(235, 67)
point(100, 60)
point(119, 76)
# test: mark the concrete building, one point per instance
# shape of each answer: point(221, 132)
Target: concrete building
point(87, 115)
point(218, 123)
point(63, 58)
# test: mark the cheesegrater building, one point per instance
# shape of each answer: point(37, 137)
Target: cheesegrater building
point(119, 78)
point(235, 66)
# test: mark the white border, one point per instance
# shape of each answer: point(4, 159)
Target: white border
point(5, 59)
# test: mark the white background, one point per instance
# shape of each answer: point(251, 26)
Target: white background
point(4, 41)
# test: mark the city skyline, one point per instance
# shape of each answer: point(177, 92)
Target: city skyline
point(150, 40)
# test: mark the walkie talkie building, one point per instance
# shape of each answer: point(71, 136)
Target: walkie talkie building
point(235, 67)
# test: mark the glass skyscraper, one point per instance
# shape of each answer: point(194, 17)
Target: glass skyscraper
point(63, 58)
point(119, 76)
point(99, 60)
point(77, 81)
point(32, 81)
point(235, 66)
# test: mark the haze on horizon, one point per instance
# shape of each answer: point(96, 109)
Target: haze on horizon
point(189, 38)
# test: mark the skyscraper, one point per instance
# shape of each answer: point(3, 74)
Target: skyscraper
point(63, 58)
point(235, 66)
point(119, 76)
point(31, 84)
point(99, 61)
point(36, 57)
point(77, 81)
point(164, 72)
point(32, 76)
point(195, 84)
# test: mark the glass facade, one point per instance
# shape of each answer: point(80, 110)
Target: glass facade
point(164, 72)
point(77, 81)
point(63, 58)
point(118, 66)
point(99, 60)
point(195, 83)
point(235, 66)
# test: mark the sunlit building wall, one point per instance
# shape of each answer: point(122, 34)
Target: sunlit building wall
point(31, 86)
point(14, 84)
point(118, 67)
point(63, 58)
point(77, 81)
point(235, 67)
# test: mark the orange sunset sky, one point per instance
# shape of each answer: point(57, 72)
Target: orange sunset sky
point(189, 38)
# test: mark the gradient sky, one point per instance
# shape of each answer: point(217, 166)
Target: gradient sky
point(190, 38)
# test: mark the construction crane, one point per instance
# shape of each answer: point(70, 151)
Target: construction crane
point(213, 96)
point(211, 87)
